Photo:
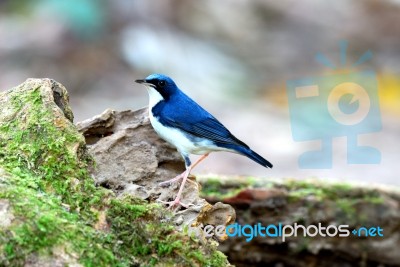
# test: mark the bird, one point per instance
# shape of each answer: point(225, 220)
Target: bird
point(188, 127)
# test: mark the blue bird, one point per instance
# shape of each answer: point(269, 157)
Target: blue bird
point(187, 126)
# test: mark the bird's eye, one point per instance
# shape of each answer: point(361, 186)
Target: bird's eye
point(161, 83)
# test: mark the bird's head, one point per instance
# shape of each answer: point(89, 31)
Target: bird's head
point(159, 86)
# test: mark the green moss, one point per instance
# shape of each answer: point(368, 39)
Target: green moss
point(347, 206)
point(55, 202)
point(345, 196)
point(42, 223)
point(303, 188)
point(221, 189)
point(154, 240)
point(217, 259)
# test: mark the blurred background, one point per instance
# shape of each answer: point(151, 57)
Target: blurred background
point(233, 57)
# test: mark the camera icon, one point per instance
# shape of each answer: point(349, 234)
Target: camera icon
point(322, 108)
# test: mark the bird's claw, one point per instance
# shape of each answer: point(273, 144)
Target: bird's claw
point(176, 202)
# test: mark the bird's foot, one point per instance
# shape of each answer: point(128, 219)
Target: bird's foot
point(168, 182)
point(173, 180)
point(176, 202)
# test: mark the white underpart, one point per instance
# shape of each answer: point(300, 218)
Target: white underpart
point(174, 136)
point(154, 97)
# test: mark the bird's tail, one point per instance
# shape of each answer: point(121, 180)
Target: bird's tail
point(244, 150)
point(254, 156)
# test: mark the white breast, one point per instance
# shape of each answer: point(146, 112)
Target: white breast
point(154, 97)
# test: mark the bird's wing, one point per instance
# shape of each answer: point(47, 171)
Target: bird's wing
point(209, 128)
point(185, 114)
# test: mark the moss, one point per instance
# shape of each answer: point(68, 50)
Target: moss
point(216, 188)
point(55, 202)
point(345, 196)
point(42, 223)
point(303, 188)
point(154, 240)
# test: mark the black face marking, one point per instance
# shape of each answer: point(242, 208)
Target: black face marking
point(161, 83)
point(161, 87)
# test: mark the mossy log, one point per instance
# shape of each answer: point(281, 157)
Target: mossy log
point(310, 202)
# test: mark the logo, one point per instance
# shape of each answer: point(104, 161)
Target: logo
point(344, 104)
point(284, 231)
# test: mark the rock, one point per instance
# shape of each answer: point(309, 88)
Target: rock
point(131, 159)
point(6, 215)
point(53, 214)
point(59, 258)
point(268, 201)
point(127, 152)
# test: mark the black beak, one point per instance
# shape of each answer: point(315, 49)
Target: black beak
point(140, 81)
point(145, 82)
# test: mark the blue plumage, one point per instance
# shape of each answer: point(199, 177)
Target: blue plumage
point(186, 125)
point(182, 113)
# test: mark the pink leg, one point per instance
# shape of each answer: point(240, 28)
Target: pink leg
point(200, 160)
point(180, 176)
point(177, 178)
point(185, 176)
